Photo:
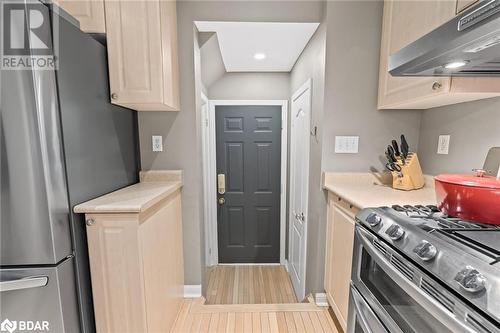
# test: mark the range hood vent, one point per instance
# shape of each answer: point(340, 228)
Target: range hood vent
point(468, 45)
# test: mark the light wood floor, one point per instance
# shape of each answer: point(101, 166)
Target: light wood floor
point(197, 317)
point(249, 285)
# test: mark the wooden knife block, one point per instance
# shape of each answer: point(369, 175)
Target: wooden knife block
point(411, 176)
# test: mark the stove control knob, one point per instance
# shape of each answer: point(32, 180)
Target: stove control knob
point(425, 250)
point(471, 280)
point(373, 219)
point(395, 232)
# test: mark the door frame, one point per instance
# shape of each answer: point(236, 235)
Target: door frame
point(210, 170)
point(307, 85)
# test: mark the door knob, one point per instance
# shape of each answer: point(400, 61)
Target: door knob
point(222, 201)
point(436, 85)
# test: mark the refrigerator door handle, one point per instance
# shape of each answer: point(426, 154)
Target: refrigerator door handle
point(24, 283)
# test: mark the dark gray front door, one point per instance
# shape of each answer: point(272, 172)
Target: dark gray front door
point(248, 154)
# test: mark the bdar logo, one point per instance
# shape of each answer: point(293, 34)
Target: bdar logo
point(8, 326)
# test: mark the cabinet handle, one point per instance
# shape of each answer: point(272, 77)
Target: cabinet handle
point(90, 222)
point(436, 85)
point(114, 96)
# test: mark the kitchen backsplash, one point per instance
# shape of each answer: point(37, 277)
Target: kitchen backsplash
point(473, 127)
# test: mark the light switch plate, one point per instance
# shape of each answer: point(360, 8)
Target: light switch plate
point(443, 144)
point(346, 144)
point(157, 141)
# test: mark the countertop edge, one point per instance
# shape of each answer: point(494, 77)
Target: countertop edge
point(350, 190)
point(85, 208)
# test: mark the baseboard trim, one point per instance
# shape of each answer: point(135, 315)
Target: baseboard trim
point(320, 299)
point(192, 290)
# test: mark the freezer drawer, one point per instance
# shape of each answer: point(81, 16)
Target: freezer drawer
point(45, 294)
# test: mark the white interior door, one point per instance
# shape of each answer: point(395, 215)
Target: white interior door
point(299, 183)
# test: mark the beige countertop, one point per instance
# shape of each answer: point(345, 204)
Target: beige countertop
point(135, 198)
point(372, 190)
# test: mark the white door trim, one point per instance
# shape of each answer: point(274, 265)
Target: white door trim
point(300, 293)
point(210, 169)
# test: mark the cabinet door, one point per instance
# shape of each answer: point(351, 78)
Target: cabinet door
point(403, 23)
point(338, 256)
point(343, 239)
point(90, 14)
point(134, 51)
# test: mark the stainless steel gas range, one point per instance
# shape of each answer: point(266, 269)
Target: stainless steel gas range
point(417, 270)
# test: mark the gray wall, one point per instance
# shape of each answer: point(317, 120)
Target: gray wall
point(180, 130)
point(311, 65)
point(181, 145)
point(251, 86)
point(212, 65)
point(352, 62)
point(474, 128)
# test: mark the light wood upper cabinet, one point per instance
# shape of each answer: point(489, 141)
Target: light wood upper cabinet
point(142, 54)
point(403, 23)
point(338, 256)
point(90, 14)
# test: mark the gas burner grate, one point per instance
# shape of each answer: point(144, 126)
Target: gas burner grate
point(431, 212)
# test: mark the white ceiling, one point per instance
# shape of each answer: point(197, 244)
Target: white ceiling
point(282, 44)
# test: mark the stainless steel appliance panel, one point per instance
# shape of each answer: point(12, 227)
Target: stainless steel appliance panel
point(404, 298)
point(35, 212)
point(472, 39)
point(41, 294)
point(361, 318)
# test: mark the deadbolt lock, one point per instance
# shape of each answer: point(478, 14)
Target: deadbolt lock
point(221, 183)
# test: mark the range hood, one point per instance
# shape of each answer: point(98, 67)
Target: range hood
point(468, 45)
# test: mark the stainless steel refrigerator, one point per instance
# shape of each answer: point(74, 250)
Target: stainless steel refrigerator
point(62, 143)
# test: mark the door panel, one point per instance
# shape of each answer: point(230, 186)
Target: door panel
point(34, 212)
point(248, 141)
point(299, 184)
point(53, 300)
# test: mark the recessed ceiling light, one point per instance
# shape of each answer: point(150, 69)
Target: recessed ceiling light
point(455, 64)
point(259, 56)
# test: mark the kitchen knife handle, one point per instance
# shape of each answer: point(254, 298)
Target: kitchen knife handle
point(396, 148)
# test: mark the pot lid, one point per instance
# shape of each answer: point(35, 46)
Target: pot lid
point(470, 180)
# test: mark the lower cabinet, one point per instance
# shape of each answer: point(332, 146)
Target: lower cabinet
point(137, 269)
point(338, 256)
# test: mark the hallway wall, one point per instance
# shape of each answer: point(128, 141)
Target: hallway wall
point(180, 130)
point(252, 85)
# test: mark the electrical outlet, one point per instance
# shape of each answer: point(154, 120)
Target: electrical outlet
point(346, 144)
point(157, 141)
point(443, 144)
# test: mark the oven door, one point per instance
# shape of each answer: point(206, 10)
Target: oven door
point(391, 287)
point(362, 319)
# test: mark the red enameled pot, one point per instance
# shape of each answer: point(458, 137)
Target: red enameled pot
point(469, 197)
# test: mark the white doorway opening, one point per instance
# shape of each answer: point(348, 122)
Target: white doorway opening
point(209, 173)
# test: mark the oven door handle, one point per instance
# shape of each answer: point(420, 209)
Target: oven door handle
point(367, 318)
point(447, 317)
